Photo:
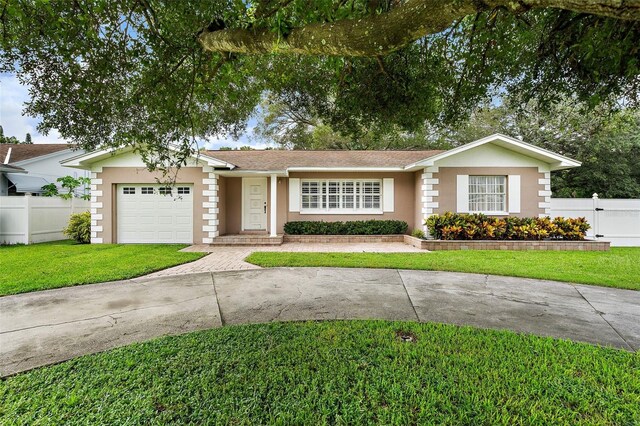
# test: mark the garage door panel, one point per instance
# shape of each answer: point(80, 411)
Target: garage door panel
point(154, 217)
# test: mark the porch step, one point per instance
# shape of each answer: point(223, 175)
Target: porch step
point(247, 240)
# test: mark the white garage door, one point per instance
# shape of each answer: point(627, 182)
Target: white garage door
point(151, 213)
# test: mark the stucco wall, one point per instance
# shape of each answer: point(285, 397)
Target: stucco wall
point(112, 176)
point(222, 211)
point(233, 205)
point(529, 187)
point(417, 202)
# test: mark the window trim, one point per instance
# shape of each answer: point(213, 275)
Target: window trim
point(505, 194)
point(340, 211)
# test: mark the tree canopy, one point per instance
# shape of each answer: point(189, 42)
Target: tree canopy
point(151, 72)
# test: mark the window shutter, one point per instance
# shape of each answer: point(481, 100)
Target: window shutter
point(462, 194)
point(514, 193)
point(387, 195)
point(294, 195)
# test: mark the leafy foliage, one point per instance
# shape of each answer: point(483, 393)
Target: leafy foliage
point(454, 226)
point(71, 185)
point(128, 72)
point(418, 233)
point(356, 227)
point(79, 228)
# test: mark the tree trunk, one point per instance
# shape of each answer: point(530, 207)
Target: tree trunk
point(381, 34)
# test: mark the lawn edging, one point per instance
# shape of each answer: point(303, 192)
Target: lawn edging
point(518, 245)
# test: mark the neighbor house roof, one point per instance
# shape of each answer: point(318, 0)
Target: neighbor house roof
point(21, 152)
point(291, 160)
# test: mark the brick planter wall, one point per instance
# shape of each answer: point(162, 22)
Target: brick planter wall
point(343, 238)
point(587, 245)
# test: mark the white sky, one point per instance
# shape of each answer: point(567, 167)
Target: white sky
point(13, 95)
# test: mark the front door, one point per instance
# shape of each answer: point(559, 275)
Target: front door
point(254, 204)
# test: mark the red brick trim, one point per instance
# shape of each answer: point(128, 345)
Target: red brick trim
point(432, 245)
point(344, 238)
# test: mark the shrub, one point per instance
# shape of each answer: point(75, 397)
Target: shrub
point(453, 226)
point(79, 227)
point(358, 227)
point(418, 233)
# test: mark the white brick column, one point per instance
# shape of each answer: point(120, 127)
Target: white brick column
point(428, 194)
point(273, 206)
point(210, 207)
point(96, 209)
point(546, 192)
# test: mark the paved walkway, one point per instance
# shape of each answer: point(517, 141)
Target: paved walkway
point(231, 258)
point(55, 325)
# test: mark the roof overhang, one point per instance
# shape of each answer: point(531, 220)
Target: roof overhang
point(85, 161)
point(555, 161)
point(8, 168)
point(25, 183)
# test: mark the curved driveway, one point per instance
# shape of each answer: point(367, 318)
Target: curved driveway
point(55, 325)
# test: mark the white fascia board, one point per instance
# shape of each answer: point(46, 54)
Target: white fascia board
point(84, 161)
point(251, 173)
point(346, 169)
point(548, 156)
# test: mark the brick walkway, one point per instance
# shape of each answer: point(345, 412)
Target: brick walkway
point(231, 258)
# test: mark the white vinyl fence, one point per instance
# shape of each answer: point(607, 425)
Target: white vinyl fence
point(28, 220)
point(614, 220)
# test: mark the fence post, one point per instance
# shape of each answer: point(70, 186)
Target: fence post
point(27, 227)
point(595, 215)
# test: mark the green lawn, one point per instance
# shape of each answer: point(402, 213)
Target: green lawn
point(356, 372)
point(618, 268)
point(64, 263)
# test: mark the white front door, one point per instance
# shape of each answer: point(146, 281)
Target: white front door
point(254, 204)
point(152, 213)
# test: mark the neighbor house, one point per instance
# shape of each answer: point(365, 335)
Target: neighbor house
point(26, 168)
point(234, 192)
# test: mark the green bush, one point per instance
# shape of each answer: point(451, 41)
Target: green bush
point(358, 227)
point(418, 233)
point(453, 226)
point(79, 227)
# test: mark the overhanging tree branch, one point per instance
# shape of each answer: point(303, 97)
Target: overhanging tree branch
point(381, 34)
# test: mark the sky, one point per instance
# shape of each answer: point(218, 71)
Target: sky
point(13, 95)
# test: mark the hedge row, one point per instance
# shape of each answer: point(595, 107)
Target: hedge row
point(453, 226)
point(357, 227)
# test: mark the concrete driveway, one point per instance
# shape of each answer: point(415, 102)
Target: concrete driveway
point(51, 326)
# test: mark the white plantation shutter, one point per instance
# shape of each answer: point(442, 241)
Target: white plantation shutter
point(294, 195)
point(387, 195)
point(462, 194)
point(514, 193)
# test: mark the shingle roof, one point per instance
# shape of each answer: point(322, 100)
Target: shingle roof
point(20, 152)
point(281, 159)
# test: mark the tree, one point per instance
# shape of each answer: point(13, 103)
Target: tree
point(607, 144)
point(150, 73)
point(7, 139)
point(27, 139)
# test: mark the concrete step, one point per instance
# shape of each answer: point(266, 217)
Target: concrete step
point(247, 240)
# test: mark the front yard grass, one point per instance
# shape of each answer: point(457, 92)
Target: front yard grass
point(618, 268)
point(65, 263)
point(356, 372)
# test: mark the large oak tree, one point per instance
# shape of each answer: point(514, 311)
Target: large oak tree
point(113, 72)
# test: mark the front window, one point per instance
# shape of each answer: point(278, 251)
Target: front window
point(487, 194)
point(341, 196)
